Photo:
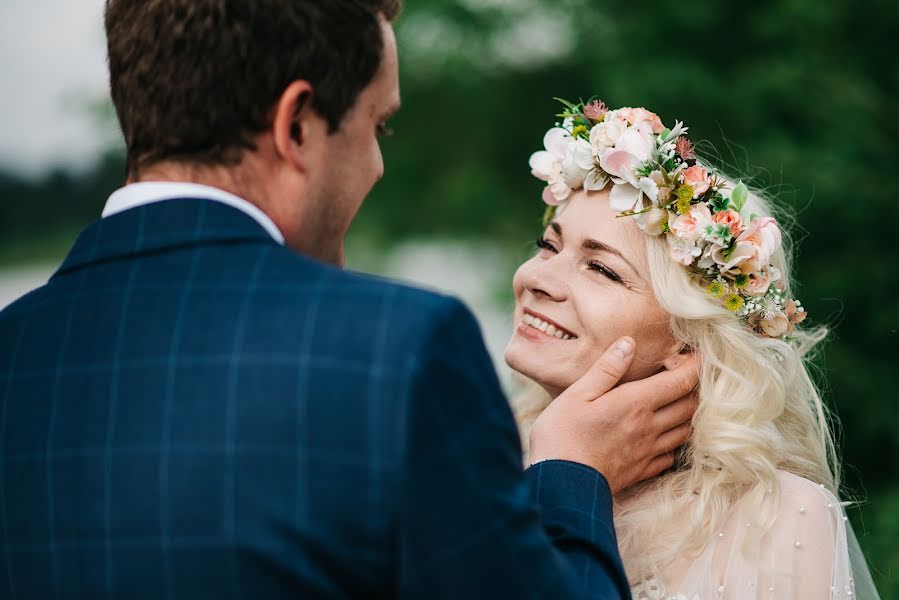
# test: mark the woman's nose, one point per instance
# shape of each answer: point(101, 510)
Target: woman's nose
point(544, 281)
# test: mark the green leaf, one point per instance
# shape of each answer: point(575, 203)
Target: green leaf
point(548, 215)
point(739, 196)
point(572, 107)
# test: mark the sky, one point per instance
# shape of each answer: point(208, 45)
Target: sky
point(52, 71)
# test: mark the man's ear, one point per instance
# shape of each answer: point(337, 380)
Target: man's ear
point(295, 124)
point(678, 354)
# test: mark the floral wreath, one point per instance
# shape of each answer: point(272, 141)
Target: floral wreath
point(657, 181)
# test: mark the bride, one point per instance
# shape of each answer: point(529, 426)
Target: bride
point(643, 240)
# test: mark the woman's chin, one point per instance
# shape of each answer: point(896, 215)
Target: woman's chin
point(530, 364)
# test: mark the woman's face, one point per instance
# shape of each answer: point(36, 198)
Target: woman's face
point(589, 281)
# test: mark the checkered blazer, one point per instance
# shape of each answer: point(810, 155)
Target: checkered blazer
point(189, 410)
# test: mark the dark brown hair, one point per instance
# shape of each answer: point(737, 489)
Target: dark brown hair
point(196, 80)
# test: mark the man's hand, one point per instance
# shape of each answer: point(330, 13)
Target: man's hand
point(627, 433)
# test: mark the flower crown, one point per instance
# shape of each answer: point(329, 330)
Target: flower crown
point(657, 180)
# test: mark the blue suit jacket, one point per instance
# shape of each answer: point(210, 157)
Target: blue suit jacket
point(189, 410)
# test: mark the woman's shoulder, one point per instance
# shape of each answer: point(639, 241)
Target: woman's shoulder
point(802, 496)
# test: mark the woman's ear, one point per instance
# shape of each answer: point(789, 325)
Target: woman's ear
point(677, 356)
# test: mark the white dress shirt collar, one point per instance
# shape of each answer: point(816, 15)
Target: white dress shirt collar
point(148, 192)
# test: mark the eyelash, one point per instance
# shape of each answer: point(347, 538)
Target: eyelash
point(594, 265)
point(384, 130)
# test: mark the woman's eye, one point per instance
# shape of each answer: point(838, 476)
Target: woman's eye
point(543, 244)
point(601, 268)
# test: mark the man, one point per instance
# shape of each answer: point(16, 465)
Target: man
point(198, 405)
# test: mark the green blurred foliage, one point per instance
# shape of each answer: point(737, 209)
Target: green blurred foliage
point(800, 97)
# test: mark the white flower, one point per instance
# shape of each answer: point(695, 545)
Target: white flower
point(577, 163)
point(682, 250)
point(707, 260)
point(653, 221)
point(650, 188)
point(637, 141)
point(677, 131)
point(633, 149)
point(606, 134)
point(625, 198)
point(596, 180)
point(547, 164)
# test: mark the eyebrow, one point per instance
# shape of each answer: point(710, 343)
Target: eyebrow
point(596, 246)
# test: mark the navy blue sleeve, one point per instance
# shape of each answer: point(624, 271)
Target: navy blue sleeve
point(472, 523)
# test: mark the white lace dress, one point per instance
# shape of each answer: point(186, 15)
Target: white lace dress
point(810, 553)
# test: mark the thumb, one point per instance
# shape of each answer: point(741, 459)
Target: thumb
point(605, 373)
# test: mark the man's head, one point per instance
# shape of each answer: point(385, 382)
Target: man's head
point(279, 101)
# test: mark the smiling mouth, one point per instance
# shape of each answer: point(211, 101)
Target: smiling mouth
point(547, 328)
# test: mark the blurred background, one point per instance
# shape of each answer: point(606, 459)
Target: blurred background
point(800, 97)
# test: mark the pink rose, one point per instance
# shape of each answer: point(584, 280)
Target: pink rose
point(698, 178)
point(776, 326)
point(759, 283)
point(640, 115)
point(755, 247)
point(732, 219)
point(692, 225)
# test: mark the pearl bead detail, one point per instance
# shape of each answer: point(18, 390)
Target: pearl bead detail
point(802, 511)
point(798, 544)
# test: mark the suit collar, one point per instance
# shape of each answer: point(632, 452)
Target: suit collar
point(160, 226)
point(148, 192)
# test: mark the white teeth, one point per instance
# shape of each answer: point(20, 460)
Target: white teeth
point(545, 327)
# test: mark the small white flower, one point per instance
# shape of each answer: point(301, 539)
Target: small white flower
point(682, 250)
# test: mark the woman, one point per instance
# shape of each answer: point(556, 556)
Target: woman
point(643, 240)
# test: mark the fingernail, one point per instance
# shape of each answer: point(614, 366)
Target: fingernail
point(624, 348)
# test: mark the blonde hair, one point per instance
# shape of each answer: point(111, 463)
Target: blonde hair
point(759, 412)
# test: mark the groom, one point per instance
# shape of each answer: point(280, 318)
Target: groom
point(202, 404)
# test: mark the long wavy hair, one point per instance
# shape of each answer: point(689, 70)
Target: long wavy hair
point(759, 412)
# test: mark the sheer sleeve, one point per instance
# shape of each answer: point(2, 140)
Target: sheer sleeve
point(803, 555)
